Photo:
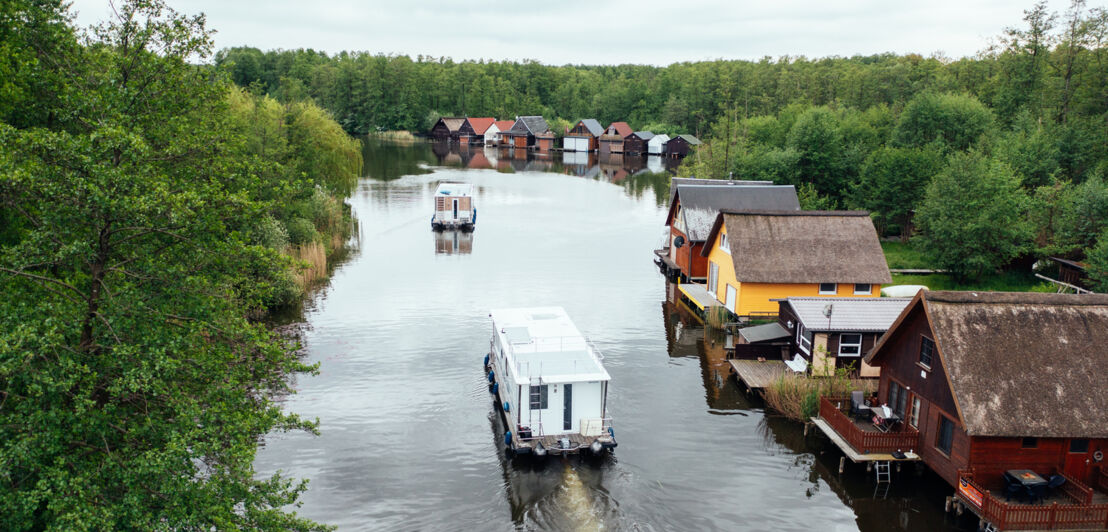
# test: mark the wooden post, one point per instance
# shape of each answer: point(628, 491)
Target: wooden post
point(806, 425)
point(959, 507)
point(869, 467)
point(946, 507)
point(842, 464)
point(1053, 514)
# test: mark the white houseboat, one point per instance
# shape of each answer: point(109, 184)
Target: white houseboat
point(454, 207)
point(548, 383)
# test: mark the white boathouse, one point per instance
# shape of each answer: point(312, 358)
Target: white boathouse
point(454, 207)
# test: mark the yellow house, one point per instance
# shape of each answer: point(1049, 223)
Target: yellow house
point(755, 258)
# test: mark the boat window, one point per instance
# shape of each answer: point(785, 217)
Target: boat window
point(538, 397)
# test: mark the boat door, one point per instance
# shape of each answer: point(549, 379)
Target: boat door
point(1078, 459)
point(567, 410)
point(455, 208)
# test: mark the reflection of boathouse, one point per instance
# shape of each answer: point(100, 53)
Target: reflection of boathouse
point(453, 242)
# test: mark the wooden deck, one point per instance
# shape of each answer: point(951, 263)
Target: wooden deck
point(852, 453)
point(757, 375)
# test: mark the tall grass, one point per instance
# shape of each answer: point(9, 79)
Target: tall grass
point(797, 396)
point(312, 257)
point(395, 136)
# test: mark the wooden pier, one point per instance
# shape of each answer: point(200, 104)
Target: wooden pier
point(757, 375)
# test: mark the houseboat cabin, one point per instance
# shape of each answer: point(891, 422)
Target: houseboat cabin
point(548, 383)
point(834, 332)
point(472, 130)
point(583, 136)
point(612, 139)
point(756, 258)
point(446, 129)
point(454, 207)
point(636, 143)
point(694, 207)
point(1003, 394)
point(657, 144)
point(680, 145)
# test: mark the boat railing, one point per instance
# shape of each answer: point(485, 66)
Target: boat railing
point(595, 350)
point(549, 344)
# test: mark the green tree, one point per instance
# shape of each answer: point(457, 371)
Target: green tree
point(1097, 260)
point(816, 139)
point(972, 220)
point(134, 388)
point(892, 182)
point(956, 120)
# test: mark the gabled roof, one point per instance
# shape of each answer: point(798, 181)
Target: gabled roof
point(848, 314)
point(802, 246)
point(453, 123)
point(480, 125)
point(690, 139)
point(644, 135)
point(1020, 364)
point(529, 124)
point(622, 129)
point(676, 181)
point(504, 125)
point(659, 138)
point(594, 127)
point(700, 204)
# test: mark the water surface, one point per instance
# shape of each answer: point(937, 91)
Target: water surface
point(409, 437)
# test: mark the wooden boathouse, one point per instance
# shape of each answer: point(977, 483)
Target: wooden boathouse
point(680, 145)
point(524, 132)
point(584, 136)
point(637, 143)
point(472, 130)
point(447, 127)
point(612, 139)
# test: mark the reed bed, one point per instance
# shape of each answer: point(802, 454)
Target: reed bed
point(797, 396)
point(313, 259)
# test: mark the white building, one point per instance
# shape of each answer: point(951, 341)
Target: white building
point(657, 144)
point(454, 207)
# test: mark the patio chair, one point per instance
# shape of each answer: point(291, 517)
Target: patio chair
point(1012, 487)
point(858, 405)
point(1036, 493)
point(1055, 482)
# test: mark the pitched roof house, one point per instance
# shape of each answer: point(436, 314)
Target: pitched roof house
point(447, 128)
point(834, 332)
point(523, 132)
point(612, 139)
point(693, 207)
point(637, 142)
point(755, 258)
point(473, 130)
point(994, 382)
point(680, 145)
point(492, 134)
point(583, 136)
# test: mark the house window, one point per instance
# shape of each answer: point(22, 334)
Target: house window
point(828, 289)
point(926, 352)
point(1030, 443)
point(538, 397)
point(713, 278)
point(804, 338)
point(898, 397)
point(850, 345)
point(913, 419)
point(723, 243)
point(946, 435)
point(863, 289)
point(1079, 446)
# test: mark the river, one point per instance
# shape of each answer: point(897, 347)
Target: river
point(409, 439)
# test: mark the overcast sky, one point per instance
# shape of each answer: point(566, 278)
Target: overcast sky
point(606, 32)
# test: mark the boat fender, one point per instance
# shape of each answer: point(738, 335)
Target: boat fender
point(596, 447)
point(486, 361)
point(540, 450)
point(507, 407)
point(495, 387)
point(611, 432)
point(508, 438)
point(491, 376)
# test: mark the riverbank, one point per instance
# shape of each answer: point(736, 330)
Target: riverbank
point(900, 255)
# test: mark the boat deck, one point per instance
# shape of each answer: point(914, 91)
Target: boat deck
point(757, 375)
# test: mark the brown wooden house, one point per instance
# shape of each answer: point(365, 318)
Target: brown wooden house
point(612, 139)
point(987, 383)
point(472, 130)
point(584, 136)
point(447, 128)
point(523, 132)
point(544, 141)
point(694, 207)
point(680, 145)
point(637, 142)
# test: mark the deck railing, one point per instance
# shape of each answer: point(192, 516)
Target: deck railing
point(1007, 516)
point(863, 441)
point(1101, 479)
point(1076, 489)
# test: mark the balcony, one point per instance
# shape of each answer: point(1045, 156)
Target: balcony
point(1074, 506)
point(860, 440)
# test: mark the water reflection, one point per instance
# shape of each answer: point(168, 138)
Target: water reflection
point(453, 242)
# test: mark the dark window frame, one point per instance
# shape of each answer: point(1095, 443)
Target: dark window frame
point(539, 397)
point(924, 342)
point(1029, 443)
point(1082, 448)
point(833, 291)
point(945, 437)
point(868, 291)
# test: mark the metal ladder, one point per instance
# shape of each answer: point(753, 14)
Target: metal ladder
point(883, 473)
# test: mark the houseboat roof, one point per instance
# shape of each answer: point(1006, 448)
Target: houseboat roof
point(701, 204)
point(591, 124)
point(454, 189)
point(1020, 364)
point(543, 343)
point(848, 314)
point(802, 246)
point(453, 123)
point(480, 125)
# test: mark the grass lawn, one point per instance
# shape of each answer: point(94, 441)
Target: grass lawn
point(903, 256)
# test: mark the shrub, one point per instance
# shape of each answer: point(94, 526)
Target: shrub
point(301, 231)
point(271, 234)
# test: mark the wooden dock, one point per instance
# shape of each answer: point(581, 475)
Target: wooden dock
point(757, 375)
point(852, 453)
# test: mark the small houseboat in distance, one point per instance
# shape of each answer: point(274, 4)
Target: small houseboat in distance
point(454, 207)
point(548, 383)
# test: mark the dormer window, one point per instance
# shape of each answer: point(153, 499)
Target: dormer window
point(723, 243)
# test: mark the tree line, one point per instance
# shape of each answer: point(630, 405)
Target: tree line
point(150, 213)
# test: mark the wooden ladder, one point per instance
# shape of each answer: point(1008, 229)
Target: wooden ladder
point(883, 473)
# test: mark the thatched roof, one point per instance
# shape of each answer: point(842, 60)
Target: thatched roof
point(700, 204)
point(453, 123)
point(1024, 364)
point(802, 247)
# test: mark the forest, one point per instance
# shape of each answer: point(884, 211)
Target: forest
point(991, 161)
